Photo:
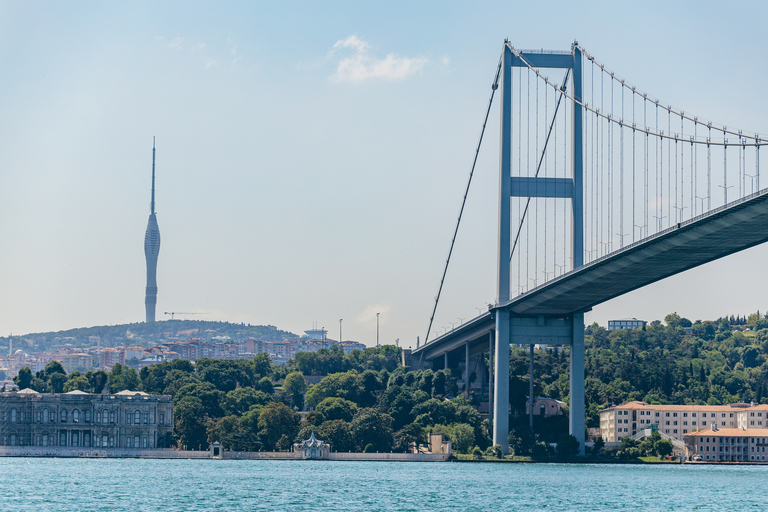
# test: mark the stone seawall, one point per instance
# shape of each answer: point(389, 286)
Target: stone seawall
point(40, 451)
point(51, 451)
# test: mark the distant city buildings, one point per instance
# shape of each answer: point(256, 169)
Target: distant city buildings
point(209, 344)
point(625, 323)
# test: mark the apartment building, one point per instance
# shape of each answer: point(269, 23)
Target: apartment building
point(628, 419)
point(728, 445)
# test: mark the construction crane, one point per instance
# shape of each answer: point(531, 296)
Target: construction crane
point(172, 313)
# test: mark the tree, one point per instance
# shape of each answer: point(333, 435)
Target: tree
point(261, 365)
point(598, 446)
point(238, 401)
point(53, 367)
point(277, 419)
point(337, 409)
point(265, 385)
point(78, 382)
point(56, 382)
point(462, 436)
point(229, 432)
point(663, 447)
point(567, 447)
point(209, 396)
point(24, 378)
point(97, 380)
point(370, 426)
point(121, 378)
point(189, 423)
point(295, 386)
point(337, 434)
point(412, 433)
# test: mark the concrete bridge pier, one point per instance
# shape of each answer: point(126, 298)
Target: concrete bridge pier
point(577, 410)
point(501, 381)
point(538, 330)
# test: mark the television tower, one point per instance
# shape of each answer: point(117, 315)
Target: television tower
point(151, 250)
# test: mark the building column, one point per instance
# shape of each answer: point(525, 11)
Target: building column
point(577, 410)
point(445, 360)
point(501, 382)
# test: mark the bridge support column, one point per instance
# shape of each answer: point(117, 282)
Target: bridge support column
point(577, 411)
point(466, 369)
point(501, 381)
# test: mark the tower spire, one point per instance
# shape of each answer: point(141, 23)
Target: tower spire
point(152, 206)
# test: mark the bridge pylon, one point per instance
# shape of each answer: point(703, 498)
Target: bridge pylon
point(511, 327)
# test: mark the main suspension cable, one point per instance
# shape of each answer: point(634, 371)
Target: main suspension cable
point(466, 193)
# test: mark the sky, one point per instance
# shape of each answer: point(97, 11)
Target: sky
point(312, 156)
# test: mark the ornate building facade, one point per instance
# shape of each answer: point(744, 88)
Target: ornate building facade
point(128, 419)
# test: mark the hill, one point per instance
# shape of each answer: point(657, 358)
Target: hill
point(145, 334)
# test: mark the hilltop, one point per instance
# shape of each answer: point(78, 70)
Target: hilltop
point(145, 334)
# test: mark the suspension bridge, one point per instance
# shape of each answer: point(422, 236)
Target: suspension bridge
point(602, 190)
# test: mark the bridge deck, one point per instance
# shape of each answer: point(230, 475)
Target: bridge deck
point(732, 228)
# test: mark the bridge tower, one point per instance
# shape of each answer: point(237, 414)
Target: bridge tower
point(510, 327)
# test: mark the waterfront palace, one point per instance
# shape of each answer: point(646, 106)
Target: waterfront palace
point(676, 421)
point(128, 419)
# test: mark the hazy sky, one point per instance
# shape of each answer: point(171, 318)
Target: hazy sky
point(311, 156)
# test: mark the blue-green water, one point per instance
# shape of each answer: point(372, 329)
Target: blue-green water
point(197, 485)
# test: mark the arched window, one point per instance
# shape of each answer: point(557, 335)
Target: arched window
point(13, 415)
point(137, 417)
point(136, 442)
point(543, 410)
point(63, 415)
point(128, 418)
point(46, 417)
point(63, 439)
point(87, 439)
point(75, 439)
point(45, 439)
point(104, 440)
point(105, 416)
point(112, 417)
point(87, 416)
point(98, 417)
point(13, 440)
point(76, 416)
point(128, 441)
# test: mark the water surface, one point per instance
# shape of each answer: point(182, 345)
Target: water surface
point(38, 484)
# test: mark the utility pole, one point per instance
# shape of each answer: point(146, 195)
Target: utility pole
point(340, 339)
point(377, 329)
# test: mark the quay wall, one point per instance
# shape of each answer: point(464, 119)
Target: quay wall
point(55, 451)
point(50, 451)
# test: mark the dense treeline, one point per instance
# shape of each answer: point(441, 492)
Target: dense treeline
point(675, 362)
point(367, 401)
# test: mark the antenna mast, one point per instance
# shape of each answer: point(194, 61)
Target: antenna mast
point(152, 207)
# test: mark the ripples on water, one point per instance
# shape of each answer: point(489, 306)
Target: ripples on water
point(200, 485)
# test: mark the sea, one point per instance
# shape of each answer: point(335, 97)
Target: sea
point(57, 484)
